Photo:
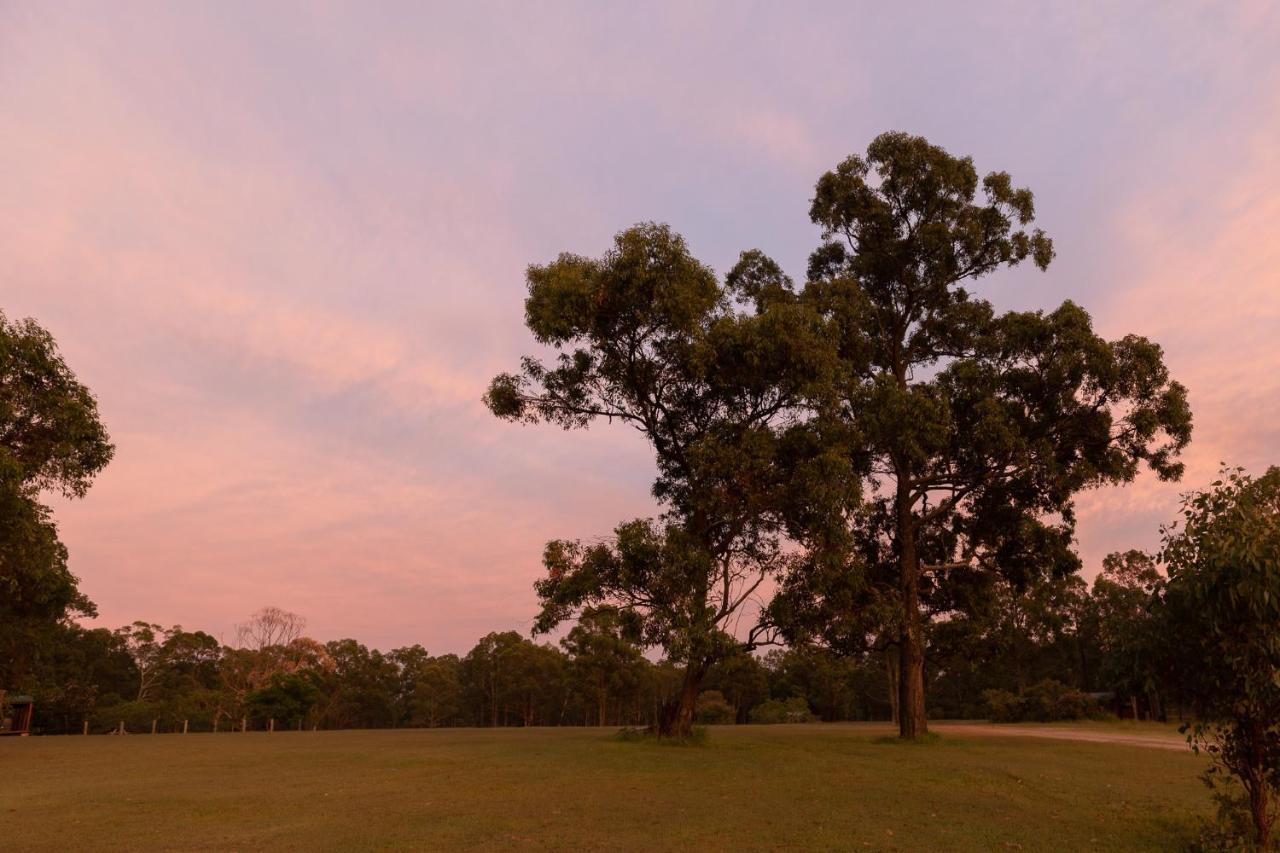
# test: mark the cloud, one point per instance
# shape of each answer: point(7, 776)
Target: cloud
point(286, 249)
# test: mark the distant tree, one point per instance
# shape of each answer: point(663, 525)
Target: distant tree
point(1214, 631)
point(834, 686)
point(742, 680)
point(359, 687)
point(604, 659)
point(287, 699)
point(713, 375)
point(270, 643)
point(974, 430)
point(409, 661)
point(163, 655)
point(270, 628)
point(712, 709)
point(1118, 623)
point(508, 678)
point(437, 692)
point(51, 438)
point(536, 687)
point(485, 672)
point(74, 670)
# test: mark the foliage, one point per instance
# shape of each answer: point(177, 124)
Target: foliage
point(712, 709)
point(51, 439)
point(604, 658)
point(1043, 702)
point(288, 699)
point(1214, 638)
point(793, 710)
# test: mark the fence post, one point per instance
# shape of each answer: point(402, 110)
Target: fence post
point(215, 725)
point(153, 726)
point(244, 724)
point(86, 727)
point(271, 725)
point(121, 729)
point(184, 726)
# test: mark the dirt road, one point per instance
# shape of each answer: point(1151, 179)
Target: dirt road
point(1152, 741)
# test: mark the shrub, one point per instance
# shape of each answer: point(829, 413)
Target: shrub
point(1002, 706)
point(712, 709)
point(1044, 702)
point(793, 710)
point(136, 715)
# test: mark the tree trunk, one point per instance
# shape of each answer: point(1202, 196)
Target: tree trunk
point(677, 715)
point(1257, 785)
point(891, 663)
point(602, 700)
point(1153, 706)
point(1258, 807)
point(912, 723)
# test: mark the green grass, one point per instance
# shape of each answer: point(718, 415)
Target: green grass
point(749, 788)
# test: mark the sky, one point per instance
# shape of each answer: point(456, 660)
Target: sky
point(285, 246)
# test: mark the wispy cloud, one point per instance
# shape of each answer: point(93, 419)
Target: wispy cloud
point(286, 248)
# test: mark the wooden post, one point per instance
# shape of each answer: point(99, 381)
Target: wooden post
point(244, 724)
point(121, 729)
point(184, 726)
point(153, 726)
point(271, 725)
point(86, 727)
point(215, 725)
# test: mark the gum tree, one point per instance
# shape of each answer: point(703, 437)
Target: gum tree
point(974, 430)
point(714, 375)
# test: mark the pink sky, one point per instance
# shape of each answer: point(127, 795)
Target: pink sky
point(285, 246)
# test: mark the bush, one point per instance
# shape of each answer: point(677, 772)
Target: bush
point(1044, 702)
point(713, 710)
point(1002, 706)
point(137, 716)
point(793, 710)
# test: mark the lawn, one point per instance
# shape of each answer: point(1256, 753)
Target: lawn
point(749, 787)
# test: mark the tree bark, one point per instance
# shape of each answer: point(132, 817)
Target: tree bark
point(892, 661)
point(912, 723)
point(677, 715)
point(1257, 785)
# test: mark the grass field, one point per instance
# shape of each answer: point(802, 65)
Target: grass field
point(780, 787)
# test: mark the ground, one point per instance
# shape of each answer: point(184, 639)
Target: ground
point(835, 787)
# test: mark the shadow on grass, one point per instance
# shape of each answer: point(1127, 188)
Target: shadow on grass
point(698, 737)
point(927, 739)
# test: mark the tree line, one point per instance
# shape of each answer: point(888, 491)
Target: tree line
point(597, 675)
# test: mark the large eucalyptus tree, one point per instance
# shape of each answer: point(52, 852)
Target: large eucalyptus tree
point(974, 430)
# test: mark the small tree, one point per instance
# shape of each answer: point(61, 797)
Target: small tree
point(1216, 631)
